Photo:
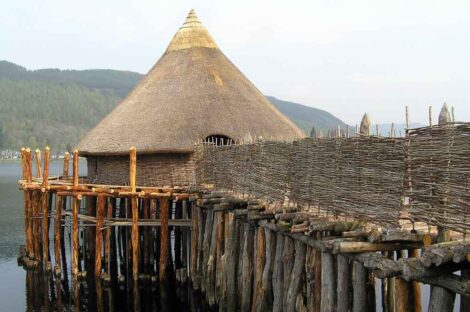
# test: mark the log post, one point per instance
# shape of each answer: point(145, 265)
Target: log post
point(99, 236)
point(135, 214)
point(359, 287)
point(36, 223)
point(75, 250)
point(232, 255)
point(318, 278)
point(288, 259)
point(247, 273)
point(296, 275)
point(27, 159)
point(45, 212)
point(260, 257)
point(212, 261)
point(209, 224)
point(37, 157)
point(65, 171)
point(278, 274)
point(57, 229)
point(194, 245)
point(442, 299)
point(75, 169)
point(220, 239)
point(415, 286)
point(164, 248)
point(310, 278)
point(328, 281)
point(343, 283)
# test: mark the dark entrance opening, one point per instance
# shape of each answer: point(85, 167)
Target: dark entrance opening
point(218, 139)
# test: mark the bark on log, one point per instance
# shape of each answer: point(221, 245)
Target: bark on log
point(211, 263)
point(260, 258)
point(99, 236)
point(164, 248)
point(75, 251)
point(232, 260)
point(206, 248)
point(359, 287)
point(57, 230)
point(297, 275)
point(278, 274)
point(247, 268)
point(343, 286)
point(288, 259)
point(328, 282)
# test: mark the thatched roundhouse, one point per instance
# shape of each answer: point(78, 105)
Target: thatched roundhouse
point(193, 92)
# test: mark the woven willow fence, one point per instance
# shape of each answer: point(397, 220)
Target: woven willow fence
point(368, 178)
point(438, 171)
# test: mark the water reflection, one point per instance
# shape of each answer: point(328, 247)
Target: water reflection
point(45, 292)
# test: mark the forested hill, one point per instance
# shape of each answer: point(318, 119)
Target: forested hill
point(57, 107)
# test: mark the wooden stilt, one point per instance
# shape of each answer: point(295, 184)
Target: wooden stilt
point(212, 261)
point(318, 278)
point(278, 274)
point(232, 259)
point(288, 259)
point(57, 229)
point(260, 257)
point(415, 287)
point(206, 248)
point(99, 236)
point(45, 212)
point(28, 205)
point(310, 278)
point(247, 275)
point(296, 275)
point(153, 216)
point(36, 223)
point(219, 251)
point(328, 282)
point(75, 247)
point(343, 283)
point(359, 287)
point(164, 248)
point(194, 245)
point(135, 214)
point(65, 169)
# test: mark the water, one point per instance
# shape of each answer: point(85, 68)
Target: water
point(26, 291)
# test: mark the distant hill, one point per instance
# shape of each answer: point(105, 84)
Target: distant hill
point(305, 117)
point(57, 107)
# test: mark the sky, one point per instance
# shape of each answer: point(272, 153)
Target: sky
point(346, 57)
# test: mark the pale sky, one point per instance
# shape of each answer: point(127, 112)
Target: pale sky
point(347, 57)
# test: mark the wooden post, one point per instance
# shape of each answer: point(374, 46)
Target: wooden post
point(36, 223)
point(296, 275)
point(163, 238)
point(135, 214)
point(45, 212)
point(37, 157)
point(75, 250)
point(365, 125)
point(220, 240)
point(310, 276)
point(27, 159)
point(231, 253)
point(206, 248)
point(359, 287)
point(328, 287)
point(442, 299)
point(260, 257)
point(278, 274)
point(65, 172)
point(415, 286)
point(343, 283)
point(318, 276)
point(75, 168)
point(57, 228)
point(288, 259)
point(194, 244)
point(99, 236)
point(247, 273)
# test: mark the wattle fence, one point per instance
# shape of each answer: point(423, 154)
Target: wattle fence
point(424, 176)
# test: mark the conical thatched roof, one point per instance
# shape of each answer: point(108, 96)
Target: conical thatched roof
point(192, 92)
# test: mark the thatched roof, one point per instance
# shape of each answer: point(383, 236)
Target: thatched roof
point(192, 92)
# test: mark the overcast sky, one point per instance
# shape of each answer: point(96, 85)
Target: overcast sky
point(347, 57)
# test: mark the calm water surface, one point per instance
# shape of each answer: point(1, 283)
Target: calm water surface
point(16, 296)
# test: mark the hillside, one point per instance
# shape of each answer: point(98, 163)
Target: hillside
point(57, 107)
